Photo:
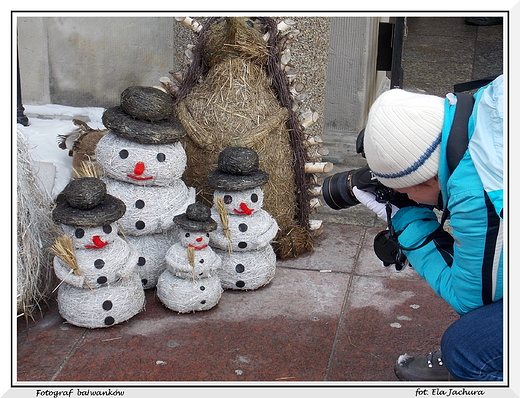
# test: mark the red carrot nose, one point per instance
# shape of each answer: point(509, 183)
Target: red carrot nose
point(139, 168)
point(199, 239)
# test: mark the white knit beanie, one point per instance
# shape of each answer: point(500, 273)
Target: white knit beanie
point(402, 137)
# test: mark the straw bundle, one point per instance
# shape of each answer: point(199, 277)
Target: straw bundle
point(247, 270)
point(235, 105)
point(87, 169)
point(220, 206)
point(35, 233)
point(188, 263)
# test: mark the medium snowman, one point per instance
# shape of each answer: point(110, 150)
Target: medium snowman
point(190, 282)
point(101, 287)
point(245, 231)
point(143, 161)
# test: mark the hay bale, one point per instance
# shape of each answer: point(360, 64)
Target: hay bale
point(234, 105)
point(36, 233)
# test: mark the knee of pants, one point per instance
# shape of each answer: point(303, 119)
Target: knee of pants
point(472, 347)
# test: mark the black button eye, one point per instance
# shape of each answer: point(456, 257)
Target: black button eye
point(207, 235)
point(228, 199)
point(79, 233)
point(161, 157)
point(187, 235)
point(107, 229)
point(254, 198)
point(123, 153)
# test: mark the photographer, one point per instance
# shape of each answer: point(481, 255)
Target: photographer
point(406, 147)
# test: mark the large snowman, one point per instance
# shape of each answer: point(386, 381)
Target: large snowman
point(101, 288)
point(143, 161)
point(190, 282)
point(245, 231)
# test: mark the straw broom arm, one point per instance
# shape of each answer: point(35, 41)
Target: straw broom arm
point(261, 131)
point(197, 133)
point(63, 272)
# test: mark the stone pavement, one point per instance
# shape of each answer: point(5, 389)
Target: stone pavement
point(333, 315)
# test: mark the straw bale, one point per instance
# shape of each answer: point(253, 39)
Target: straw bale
point(188, 295)
point(233, 104)
point(36, 233)
point(102, 307)
point(240, 112)
point(247, 270)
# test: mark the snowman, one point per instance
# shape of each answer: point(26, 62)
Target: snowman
point(245, 231)
point(100, 287)
point(190, 282)
point(143, 161)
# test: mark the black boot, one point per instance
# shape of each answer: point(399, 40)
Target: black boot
point(428, 368)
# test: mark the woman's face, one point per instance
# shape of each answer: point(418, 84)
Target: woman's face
point(426, 193)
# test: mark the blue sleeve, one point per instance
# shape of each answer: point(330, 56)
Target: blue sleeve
point(464, 270)
point(433, 261)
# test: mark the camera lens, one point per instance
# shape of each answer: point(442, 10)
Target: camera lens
point(336, 191)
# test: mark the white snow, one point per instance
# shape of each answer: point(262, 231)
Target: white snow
point(46, 123)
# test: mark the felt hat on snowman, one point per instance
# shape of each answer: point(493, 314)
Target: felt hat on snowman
point(237, 170)
point(196, 218)
point(85, 202)
point(145, 115)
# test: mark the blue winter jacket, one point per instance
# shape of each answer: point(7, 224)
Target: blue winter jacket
point(464, 268)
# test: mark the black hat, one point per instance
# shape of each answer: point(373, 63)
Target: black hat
point(237, 170)
point(145, 115)
point(84, 202)
point(196, 218)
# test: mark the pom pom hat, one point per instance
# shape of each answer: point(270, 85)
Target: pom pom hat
point(403, 136)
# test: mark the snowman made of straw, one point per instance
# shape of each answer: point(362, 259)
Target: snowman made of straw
point(100, 286)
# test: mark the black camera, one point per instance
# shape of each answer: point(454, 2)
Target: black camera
point(338, 193)
point(338, 189)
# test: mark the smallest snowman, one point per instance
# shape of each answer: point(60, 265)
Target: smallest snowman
point(245, 231)
point(190, 282)
point(100, 286)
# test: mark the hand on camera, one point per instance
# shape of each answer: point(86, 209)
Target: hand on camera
point(369, 200)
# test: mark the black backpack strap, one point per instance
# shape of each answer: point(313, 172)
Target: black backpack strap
point(458, 138)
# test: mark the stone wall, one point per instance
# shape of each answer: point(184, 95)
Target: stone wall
point(87, 61)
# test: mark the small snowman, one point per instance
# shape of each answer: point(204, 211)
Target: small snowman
point(143, 161)
point(100, 286)
point(190, 282)
point(245, 231)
